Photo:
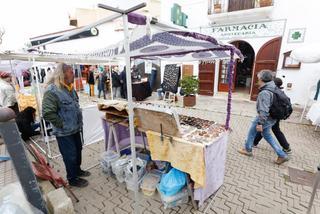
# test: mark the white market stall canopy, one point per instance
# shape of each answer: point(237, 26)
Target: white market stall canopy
point(170, 46)
point(54, 57)
point(307, 53)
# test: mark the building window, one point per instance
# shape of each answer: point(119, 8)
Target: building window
point(224, 72)
point(235, 5)
point(289, 62)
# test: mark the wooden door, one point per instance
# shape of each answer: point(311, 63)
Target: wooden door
point(206, 78)
point(223, 76)
point(187, 70)
point(267, 58)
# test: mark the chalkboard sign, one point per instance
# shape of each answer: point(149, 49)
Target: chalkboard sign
point(171, 78)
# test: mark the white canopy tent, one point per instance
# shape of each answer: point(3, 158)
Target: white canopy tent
point(18, 62)
point(309, 54)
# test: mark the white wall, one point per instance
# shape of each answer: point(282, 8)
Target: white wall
point(299, 15)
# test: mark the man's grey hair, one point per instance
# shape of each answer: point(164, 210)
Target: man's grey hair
point(265, 75)
point(57, 77)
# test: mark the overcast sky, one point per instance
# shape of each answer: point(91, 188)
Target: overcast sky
point(23, 19)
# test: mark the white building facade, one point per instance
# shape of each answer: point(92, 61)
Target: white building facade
point(265, 34)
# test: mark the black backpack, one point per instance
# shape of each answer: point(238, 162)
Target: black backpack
point(281, 107)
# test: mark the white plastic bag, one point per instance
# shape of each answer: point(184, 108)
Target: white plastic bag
point(13, 201)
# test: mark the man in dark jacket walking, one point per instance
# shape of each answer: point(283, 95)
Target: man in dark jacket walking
point(102, 84)
point(61, 108)
point(123, 81)
point(263, 122)
point(276, 129)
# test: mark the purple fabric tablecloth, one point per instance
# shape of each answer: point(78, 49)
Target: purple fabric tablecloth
point(215, 158)
point(123, 136)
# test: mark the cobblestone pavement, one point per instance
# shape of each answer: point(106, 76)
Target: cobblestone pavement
point(252, 184)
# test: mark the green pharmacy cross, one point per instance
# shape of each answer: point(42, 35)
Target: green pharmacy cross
point(296, 35)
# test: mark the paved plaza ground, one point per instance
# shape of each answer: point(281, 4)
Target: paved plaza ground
point(252, 184)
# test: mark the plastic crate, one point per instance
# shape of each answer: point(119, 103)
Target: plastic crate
point(107, 158)
point(181, 197)
point(141, 168)
point(119, 167)
point(130, 183)
point(149, 183)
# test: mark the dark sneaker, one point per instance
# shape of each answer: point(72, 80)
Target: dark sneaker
point(288, 151)
point(245, 152)
point(78, 182)
point(280, 160)
point(83, 173)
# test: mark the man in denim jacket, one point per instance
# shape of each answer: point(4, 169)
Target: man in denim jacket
point(60, 106)
point(263, 122)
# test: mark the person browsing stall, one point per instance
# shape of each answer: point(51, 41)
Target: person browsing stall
point(61, 108)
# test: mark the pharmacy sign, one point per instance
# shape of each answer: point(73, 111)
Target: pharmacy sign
point(246, 30)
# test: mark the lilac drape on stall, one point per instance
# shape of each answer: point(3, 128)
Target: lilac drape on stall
point(122, 134)
point(230, 83)
point(137, 19)
point(215, 158)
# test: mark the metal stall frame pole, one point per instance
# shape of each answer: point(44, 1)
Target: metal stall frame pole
point(20, 160)
point(314, 191)
point(15, 81)
point(130, 108)
point(42, 121)
point(129, 91)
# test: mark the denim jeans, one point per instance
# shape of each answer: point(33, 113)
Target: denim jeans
point(70, 148)
point(116, 92)
point(279, 135)
point(104, 94)
point(266, 135)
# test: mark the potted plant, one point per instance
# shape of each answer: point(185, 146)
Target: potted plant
point(265, 3)
point(217, 6)
point(189, 86)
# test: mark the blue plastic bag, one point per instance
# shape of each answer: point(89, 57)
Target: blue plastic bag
point(172, 182)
